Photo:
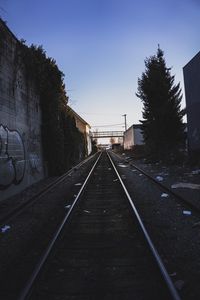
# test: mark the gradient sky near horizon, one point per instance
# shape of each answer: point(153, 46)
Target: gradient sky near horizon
point(100, 45)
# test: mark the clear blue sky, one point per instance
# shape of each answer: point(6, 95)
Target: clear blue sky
point(100, 45)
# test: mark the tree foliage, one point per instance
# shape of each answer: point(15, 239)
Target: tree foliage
point(162, 125)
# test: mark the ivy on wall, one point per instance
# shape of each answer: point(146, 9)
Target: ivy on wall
point(63, 144)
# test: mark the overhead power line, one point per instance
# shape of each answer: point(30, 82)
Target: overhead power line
point(100, 113)
point(109, 125)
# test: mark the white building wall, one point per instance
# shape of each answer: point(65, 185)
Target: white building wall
point(133, 136)
point(89, 141)
point(128, 138)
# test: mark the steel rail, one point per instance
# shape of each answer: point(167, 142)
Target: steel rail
point(169, 283)
point(29, 285)
point(20, 208)
point(164, 187)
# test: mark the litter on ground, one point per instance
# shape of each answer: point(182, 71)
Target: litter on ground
point(187, 212)
point(186, 185)
point(5, 228)
point(196, 172)
point(87, 211)
point(67, 206)
point(114, 180)
point(79, 183)
point(159, 178)
point(122, 166)
point(164, 195)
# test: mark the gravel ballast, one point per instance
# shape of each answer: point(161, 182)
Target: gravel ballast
point(174, 228)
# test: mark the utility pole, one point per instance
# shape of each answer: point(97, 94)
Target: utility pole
point(125, 121)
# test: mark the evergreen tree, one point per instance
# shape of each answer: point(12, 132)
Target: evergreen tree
point(162, 126)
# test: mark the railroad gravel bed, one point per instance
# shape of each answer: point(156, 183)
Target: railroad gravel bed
point(101, 253)
point(26, 237)
point(174, 229)
point(184, 180)
point(175, 234)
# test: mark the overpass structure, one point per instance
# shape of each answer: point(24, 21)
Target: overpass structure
point(106, 134)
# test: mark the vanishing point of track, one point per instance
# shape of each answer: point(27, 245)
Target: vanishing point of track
point(101, 250)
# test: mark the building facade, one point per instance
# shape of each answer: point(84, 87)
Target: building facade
point(21, 162)
point(192, 93)
point(133, 136)
point(84, 128)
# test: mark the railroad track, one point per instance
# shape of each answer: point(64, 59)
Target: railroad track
point(12, 213)
point(176, 196)
point(101, 250)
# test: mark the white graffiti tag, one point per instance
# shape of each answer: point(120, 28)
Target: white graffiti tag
point(12, 157)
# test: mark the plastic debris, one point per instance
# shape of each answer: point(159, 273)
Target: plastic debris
point(196, 172)
point(186, 185)
point(114, 180)
point(67, 206)
point(79, 183)
point(141, 174)
point(164, 195)
point(159, 178)
point(122, 166)
point(5, 228)
point(87, 211)
point(134, 170)
point(187, 212)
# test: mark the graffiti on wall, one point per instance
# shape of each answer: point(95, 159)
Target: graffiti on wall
point(35, 165)
point(12, 157)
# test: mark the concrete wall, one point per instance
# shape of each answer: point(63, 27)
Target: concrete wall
point(21, 162)
point(192, 92)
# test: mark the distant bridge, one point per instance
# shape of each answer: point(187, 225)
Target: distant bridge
point(106, 134)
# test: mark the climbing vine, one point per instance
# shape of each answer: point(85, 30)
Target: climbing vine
point(63, 144)
point(3, 37)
